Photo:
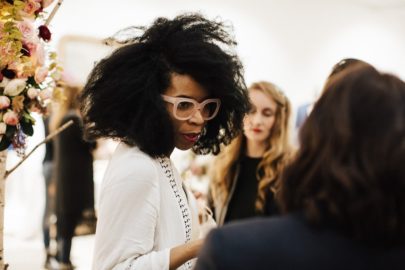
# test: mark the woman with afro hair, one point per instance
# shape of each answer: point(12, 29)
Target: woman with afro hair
point(177, 83)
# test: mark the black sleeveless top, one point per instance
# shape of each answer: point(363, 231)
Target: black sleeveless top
point(242, 203)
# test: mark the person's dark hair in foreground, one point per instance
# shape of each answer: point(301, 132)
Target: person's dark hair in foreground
point(344, 64)
point(343, 194)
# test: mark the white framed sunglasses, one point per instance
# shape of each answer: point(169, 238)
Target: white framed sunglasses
point(185, 108)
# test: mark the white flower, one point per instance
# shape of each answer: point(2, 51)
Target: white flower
point(4, 102)
point(15, 87)
point(40, 74)
point(3, 128)
point(32, 93)
point(45, 94)
point(4, 82)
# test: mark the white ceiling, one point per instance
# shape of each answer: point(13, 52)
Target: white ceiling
point(293, 43)
point(382, 4)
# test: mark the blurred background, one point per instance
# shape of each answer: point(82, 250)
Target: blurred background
point(293, 43)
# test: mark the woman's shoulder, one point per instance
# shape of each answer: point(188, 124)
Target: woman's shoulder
point(129, 162)
point(269, 226)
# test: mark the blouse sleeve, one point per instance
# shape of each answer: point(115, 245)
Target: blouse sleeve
point(127, 218)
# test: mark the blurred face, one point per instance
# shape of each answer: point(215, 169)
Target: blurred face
point(259, 121)
point(189, 108)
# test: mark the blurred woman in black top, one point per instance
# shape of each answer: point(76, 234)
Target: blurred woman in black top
point(246, 174)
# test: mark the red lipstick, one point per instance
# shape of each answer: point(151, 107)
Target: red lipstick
point(192, 137)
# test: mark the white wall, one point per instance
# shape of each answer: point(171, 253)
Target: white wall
point(293, 43)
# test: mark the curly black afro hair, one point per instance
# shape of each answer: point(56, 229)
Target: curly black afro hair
point(121, 98)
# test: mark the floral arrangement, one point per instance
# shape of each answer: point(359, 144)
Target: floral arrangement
point(28, 74)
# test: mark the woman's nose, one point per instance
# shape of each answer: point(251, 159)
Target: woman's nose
point(256, 118)
point(197, 118)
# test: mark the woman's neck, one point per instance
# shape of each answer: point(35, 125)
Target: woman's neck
point(255, 149)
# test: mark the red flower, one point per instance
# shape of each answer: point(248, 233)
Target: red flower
point(44, 33)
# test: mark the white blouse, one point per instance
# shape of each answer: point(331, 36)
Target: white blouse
point(143, 212)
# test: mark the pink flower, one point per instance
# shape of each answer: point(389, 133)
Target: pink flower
point(40, 74)
point(32, 93)
point(4, 102)
point(27, 30)
point(3, 128)
point(10, 118)
point(31, 6)
point(24, 66)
